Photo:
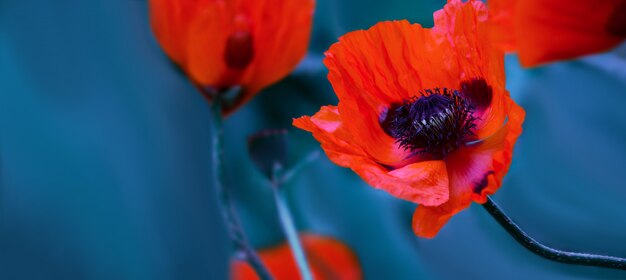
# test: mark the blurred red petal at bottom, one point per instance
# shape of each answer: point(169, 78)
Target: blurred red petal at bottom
point(328, 259)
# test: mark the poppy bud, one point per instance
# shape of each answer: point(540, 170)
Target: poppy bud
point(268, 151)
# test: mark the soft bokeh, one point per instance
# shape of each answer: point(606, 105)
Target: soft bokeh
point(104, 159)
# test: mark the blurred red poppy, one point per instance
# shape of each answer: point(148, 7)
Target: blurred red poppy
point(328, 259)
point(542, 31)
point(423, 112)
point(225, 43)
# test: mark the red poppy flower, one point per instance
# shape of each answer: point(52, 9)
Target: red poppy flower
point(544, 31)
point(223, 43)
point(328, 259)
point(423, 113)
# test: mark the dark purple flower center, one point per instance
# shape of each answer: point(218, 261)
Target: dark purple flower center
point(439, 121)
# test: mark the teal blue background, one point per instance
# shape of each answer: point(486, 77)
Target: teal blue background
point(104, 159)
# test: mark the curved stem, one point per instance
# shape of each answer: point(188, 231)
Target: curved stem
point(229, 214)
point(292, 235)
point(547, 252)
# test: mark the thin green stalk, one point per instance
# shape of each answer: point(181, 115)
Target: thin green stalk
point(229, 214)
point(547, 252)
point(290, 231)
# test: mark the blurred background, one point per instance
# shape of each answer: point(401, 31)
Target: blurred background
point(104, 159)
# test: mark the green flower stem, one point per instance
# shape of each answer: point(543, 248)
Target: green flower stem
point(229, 214)
point(292, 235)
point(547, 252)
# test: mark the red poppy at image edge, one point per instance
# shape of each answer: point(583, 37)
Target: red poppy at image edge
point(328, 258)
point(221, 44)
point(542, 31)
point(423, 113)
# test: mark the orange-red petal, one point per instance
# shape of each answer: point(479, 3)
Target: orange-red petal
point(328, 259)
point(170, 21)
point(282, 38)
point(205, 44)
point(465, 26)
point(422, 182)
point(546, 31)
